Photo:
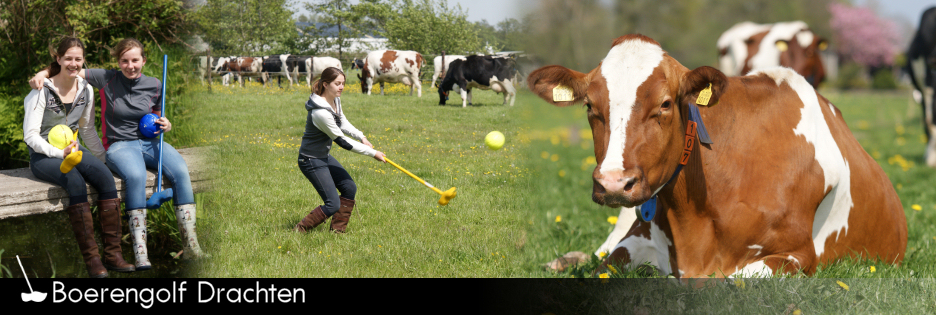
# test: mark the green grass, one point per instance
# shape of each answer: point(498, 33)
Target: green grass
point(397, 229)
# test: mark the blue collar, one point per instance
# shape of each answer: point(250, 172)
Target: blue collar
point(694, 127)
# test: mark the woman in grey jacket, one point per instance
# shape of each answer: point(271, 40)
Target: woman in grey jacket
point(68, 99)
point(326, 123)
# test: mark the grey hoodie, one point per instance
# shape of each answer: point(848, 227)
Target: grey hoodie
point(324, 125)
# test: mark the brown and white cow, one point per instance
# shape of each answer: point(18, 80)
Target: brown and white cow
point(393, 66)
point(748, 46)
point(783, 187)
point(243, 67)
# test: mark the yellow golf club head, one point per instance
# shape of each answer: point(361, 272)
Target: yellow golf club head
point(447, 196)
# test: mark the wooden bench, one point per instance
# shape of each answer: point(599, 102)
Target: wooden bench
point(22, 194)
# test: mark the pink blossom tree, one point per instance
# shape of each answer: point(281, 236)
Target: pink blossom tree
point(861, 36)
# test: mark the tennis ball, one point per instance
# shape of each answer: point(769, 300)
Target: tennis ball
point(61, 136)
point(494, 140)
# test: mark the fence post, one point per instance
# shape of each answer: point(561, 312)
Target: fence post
point(210, 69)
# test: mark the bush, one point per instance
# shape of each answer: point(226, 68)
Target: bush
point(852, 76)
point(884, 80)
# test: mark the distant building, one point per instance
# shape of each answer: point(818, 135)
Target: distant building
point(363, 44)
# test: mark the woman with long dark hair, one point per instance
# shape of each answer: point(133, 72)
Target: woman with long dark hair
point(326, 123)
point(126, 96)
point(68, 99)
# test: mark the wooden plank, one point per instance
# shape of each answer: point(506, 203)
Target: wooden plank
point(22, 194)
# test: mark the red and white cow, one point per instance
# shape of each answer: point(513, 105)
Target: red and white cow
point(748, 46)
point(315, 66)
point(782, 187)
point(437, 65)
point(393, 66)
point(242, 67)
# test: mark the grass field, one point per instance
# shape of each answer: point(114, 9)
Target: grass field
point(398, 229)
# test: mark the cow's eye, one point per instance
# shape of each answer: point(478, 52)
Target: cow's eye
point(666, 105)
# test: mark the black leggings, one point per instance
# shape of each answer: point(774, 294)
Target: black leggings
point(90, 170)
point(326, 174)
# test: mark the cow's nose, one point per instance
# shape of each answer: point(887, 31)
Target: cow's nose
point(616, 181)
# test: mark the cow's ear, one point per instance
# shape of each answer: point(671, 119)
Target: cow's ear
point(699, 79)
point(553, 84)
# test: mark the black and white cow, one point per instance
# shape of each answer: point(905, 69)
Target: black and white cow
point(281, 65)
point(483, 72)
point(357, 64)
point(214, 65)
point(923, 50)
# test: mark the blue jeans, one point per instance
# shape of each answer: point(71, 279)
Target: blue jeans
point(90, 170)
point(130, 159)
point(326, 174)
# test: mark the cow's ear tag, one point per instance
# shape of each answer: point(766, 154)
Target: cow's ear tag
point(705, 96)
point(562, 93)
point(823, 46)
point(782, 46)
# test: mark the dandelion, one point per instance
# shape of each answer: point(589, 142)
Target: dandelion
point(797, 312)
point(604, 276)
point(603, 254)
point(562, 173)
point(842, 284)
point(558, 218)
point(554, 157)
point(872, 269)
point(612, 219)
point(916, 207)
point(739, 283)
point(544, 155)
point(613, 270)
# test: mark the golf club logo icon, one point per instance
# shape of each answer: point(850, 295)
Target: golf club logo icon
point(34, 296)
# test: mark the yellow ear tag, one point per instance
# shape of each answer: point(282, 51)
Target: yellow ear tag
point(704, 96)
point(782, 46)
point(562, 93)
point(823, 46)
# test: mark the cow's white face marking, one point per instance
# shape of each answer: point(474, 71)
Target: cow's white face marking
point(626, 67)
point(654, 249)
point(767, 53)
point(805, 38)
point(833, 211)
point(737, 51)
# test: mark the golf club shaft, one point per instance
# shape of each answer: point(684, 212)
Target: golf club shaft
point(162, 113)
point(24, 273)
point(413, 176)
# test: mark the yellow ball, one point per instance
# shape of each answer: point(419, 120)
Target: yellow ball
point(61, 136)
point(494, 140)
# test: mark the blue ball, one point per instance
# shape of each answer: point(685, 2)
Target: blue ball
point(148, 125)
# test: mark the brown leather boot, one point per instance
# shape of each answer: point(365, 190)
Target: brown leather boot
point(82, 224)
point(313, 219)
point(109, 211)
point(339, 221)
